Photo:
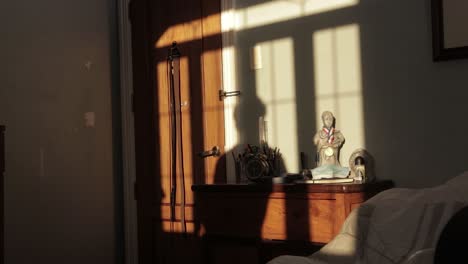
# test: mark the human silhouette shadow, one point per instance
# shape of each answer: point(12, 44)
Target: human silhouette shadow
point(246, 116)
point(236, 229)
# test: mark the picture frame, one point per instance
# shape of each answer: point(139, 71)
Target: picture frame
point(449, 31)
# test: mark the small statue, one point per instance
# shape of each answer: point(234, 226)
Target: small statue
point(361, 164)
point(359, 169)
point(329, 142)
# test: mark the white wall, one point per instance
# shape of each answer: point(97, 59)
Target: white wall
point(61, 178)
point(369, 62)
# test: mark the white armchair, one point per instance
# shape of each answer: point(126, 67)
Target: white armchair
point(396, 226)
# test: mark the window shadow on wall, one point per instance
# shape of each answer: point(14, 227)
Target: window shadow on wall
point(300, 30)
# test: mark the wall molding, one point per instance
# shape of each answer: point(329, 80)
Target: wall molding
point(128, 133)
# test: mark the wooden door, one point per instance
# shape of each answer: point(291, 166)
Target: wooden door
point(169, 234)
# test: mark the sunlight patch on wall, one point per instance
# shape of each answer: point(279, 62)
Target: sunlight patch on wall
point(231, 139)
point(268, 13)
point(227, 16)
point(276, 88)
point(244, 18)
point(338, 87)
point(280, 10)
point(229, 85)
point(189, 31)
point(320, 6)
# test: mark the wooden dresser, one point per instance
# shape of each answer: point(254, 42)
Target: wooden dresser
point(257, 222)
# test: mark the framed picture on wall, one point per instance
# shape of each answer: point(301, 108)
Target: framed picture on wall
point(449, 29)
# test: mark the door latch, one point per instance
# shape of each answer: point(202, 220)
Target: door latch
point(223, 94)
point(215, 152)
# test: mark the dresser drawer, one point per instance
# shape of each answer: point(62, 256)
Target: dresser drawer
point(277, 216)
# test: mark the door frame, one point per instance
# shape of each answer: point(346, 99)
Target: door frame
point(128, 124)
point(128, 133)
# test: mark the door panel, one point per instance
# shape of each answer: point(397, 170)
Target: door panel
point(195, 26)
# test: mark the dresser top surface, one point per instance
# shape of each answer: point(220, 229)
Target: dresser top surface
point(309, 188)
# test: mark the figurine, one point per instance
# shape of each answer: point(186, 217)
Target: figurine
point(361, 164)
point(359, 169)
point(329, 142)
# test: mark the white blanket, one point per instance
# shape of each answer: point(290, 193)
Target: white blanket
point(396, 226)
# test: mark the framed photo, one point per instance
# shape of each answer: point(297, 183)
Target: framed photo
point(449, 29)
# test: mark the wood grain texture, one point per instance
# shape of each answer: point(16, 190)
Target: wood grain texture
point(312, 214)
point(165, 214)
point(172, 246)
point(266, 216)
point(213, 108)
point(197, 32)
point(196, 27)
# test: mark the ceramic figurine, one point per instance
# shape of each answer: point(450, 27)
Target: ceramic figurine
point(361, 164)
point(329, 142)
